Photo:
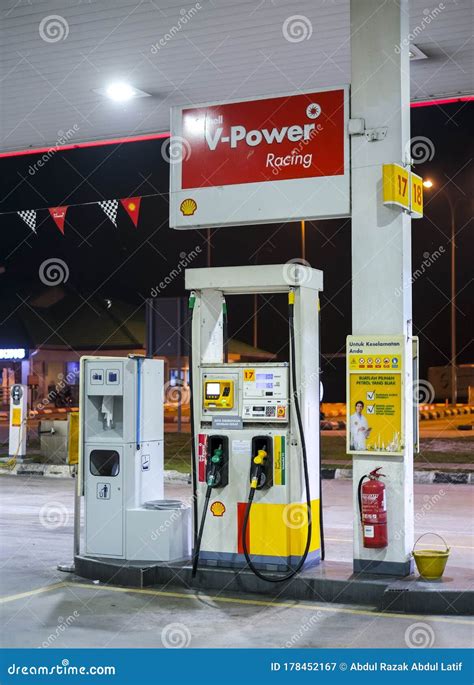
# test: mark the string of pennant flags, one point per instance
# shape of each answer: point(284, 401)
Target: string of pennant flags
point(109, 207)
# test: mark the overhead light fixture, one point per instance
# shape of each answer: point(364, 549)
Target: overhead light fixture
point(120, 91)
point(415, 53)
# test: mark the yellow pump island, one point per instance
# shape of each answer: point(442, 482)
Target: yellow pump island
point(255, 428)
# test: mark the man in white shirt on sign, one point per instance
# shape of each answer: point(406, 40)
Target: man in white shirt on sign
point(359, 428)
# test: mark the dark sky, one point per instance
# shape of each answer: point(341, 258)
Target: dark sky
point(127, 263)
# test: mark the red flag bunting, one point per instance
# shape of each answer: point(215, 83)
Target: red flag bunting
point(58, 214)
point(132, 207)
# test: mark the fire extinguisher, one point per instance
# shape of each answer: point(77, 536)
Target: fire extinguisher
point(373, 509)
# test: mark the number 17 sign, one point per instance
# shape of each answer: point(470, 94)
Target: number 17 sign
point(403, 188)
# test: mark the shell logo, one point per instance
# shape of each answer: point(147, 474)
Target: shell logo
point(132, 206)
point(188, 207)
point(217, 509)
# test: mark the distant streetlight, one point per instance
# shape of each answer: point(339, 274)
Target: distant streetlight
point(303, 240)
point(428, 183)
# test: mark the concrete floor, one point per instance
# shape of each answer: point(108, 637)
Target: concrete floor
point(43, 607)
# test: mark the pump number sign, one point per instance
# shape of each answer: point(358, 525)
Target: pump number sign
point(260, 160)
point(375, 395)
point(402, 188)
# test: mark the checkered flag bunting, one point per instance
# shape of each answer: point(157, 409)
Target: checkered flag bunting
point(110, 208)
point(29, 217)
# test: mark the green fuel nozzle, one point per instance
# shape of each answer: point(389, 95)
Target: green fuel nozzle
point(215, 460)
point(217, 456)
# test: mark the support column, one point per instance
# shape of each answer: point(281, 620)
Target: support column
point(381, 247)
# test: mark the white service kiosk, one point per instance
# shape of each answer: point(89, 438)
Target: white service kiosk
point(121, 411)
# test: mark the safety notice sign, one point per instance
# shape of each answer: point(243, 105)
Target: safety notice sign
point(260, 160)
point(375, 395)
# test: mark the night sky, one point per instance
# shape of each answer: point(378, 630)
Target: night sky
point(126, 263)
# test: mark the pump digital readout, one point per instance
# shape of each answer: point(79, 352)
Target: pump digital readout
point(265, 394)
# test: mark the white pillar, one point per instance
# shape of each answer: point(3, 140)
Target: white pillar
point(381, 246)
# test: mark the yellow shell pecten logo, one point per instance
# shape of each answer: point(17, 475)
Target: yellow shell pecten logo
point(217, 509)
point(188, 206)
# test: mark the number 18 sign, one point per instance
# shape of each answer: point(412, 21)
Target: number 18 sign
point(403, 188)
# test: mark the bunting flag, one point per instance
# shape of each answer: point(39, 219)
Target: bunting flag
point(29, 217)
point(110, 207)
point(58, 214)
point(132, 207)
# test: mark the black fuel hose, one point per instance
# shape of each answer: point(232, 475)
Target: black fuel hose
point(192, 300)
point(197, 543)
point(321, 513)
point(359, 497)
point(197, 534)
point(297, 569)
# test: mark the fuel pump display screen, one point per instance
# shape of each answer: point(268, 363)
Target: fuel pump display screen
point(264, 381)
point(213, 390)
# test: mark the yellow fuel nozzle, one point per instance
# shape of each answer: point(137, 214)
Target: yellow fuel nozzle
point(260, 457)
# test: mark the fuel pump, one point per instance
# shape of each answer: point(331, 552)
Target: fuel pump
point(255, 429)
point(259, 471)
point(373, 509)
point(18, 419)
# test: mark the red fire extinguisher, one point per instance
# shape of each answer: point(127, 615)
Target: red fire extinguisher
point(373, 509)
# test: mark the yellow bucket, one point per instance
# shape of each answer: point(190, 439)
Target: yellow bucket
point(431, 562)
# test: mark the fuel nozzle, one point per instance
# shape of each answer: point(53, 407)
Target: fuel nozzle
point(216, 461)
point(258, 465)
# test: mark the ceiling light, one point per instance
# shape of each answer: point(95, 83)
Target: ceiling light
point(120, 91)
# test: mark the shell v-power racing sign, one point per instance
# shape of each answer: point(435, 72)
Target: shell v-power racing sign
point(260, 160)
